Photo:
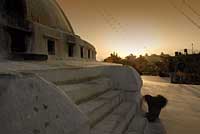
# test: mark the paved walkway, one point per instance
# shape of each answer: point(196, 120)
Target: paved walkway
point(182, 114)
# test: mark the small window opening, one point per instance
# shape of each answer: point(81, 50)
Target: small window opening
point(18, 41)
point(89, 55)
point(81, 52)
point(71, 50)
point(51, 47)
point(92, 55)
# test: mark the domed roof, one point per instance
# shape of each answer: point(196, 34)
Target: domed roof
point(49, 13)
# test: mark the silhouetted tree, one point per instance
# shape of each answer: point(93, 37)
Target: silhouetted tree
point(151, 65)
point(141, 63)
point(114, 58)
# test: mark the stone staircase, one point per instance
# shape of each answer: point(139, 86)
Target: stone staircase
point(68, 100)
point(108, 110)
point(82, 91)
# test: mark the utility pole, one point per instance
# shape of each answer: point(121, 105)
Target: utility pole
point(192, 48)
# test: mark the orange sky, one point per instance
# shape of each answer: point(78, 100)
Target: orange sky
point(134, 26)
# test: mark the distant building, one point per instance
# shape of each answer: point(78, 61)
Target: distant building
point(185, 69)
point(39, 30)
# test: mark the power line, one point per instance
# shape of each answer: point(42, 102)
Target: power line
point(185, 15)
point(191, 8)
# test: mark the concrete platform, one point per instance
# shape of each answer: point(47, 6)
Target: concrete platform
point(182, 114)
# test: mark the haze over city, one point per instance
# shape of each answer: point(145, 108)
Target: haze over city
point(135, 26)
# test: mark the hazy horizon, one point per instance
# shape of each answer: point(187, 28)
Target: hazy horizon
point(134, 26)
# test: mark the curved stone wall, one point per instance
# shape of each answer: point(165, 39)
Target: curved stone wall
point(31, 105)
point(48, 12)
point(44, 32)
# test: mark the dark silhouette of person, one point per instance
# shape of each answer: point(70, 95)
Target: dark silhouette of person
point(155, 104)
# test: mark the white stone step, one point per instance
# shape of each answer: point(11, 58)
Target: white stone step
point(66, 75)
point(82, 92)
point(101, 106)
point(118, 121)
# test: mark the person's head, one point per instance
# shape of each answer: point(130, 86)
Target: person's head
point(155, 104)
point(162, 101)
